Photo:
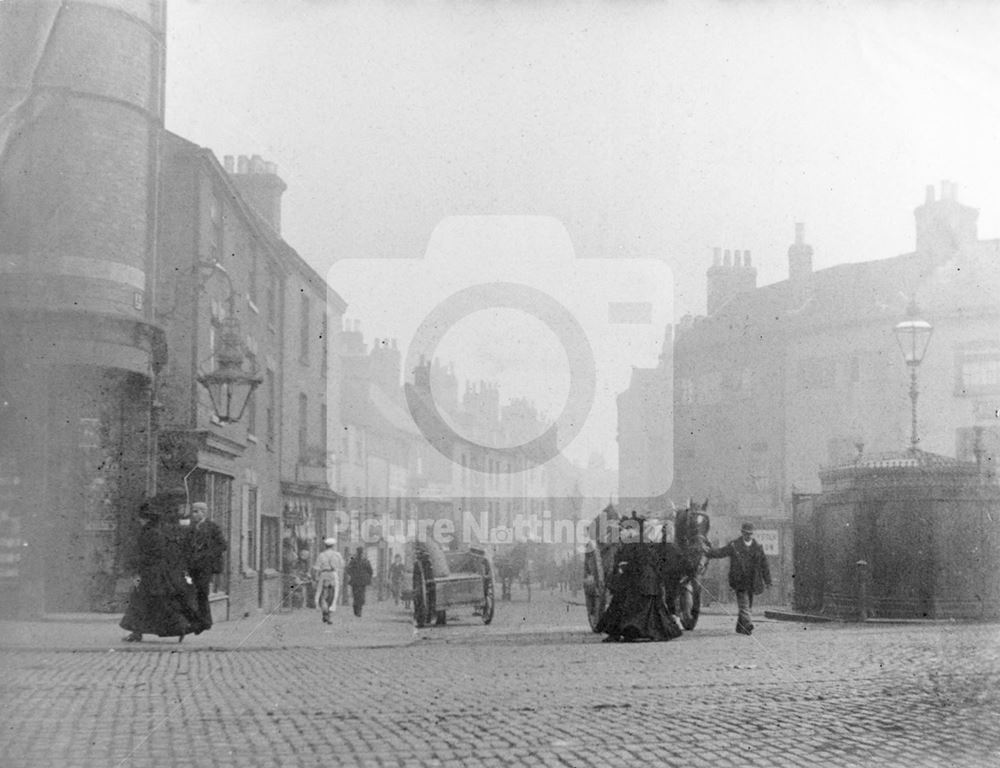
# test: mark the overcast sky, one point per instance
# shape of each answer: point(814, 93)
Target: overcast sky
point(653, 130)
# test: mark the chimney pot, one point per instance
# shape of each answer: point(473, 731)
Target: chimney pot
point(271, 168)
point(243, 164)
point(227, 163)
point(746, 259)
point(929, 194)
point(716, 257)
point(727, 258)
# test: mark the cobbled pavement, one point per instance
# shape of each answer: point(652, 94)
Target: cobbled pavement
point(536, 688)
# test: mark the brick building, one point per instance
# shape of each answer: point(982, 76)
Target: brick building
point(779, 381)
point(125, 254)
point(79, 129)
point(265, 477)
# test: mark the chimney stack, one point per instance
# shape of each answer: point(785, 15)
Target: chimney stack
point(734, 275)
point(800, 255)
point(945, 226)
point(260, 185)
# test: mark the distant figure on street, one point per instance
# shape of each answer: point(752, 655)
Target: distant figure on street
point(359, 576)
point(326, 573)
point(396, 577)
point(205, 550)
point(162, 600)
point(748, 573)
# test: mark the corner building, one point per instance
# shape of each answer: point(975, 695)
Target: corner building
point(79, 128)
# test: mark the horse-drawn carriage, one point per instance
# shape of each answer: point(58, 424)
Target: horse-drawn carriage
point(443, 580)
point(670, 551)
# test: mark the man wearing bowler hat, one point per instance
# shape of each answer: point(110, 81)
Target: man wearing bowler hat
point(748, 573)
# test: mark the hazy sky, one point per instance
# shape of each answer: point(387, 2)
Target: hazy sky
point(655, 130)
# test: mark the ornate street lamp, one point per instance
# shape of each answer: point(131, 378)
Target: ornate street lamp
point(913, 336)
point(229, 385)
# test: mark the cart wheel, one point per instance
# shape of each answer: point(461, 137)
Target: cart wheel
point(488, 598)
point(594, 587)
point(422, 608)
point(690, 603)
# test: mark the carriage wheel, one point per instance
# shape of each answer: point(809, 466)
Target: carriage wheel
point(422, 608)
point(594, 588)
point(690, 603)
point(488, 598)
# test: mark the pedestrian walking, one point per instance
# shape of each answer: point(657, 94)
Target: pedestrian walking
point(396, 578)
point(359, 576)
point(326, 573)
point(162, 599)
point(205, 556)
point(748, 573)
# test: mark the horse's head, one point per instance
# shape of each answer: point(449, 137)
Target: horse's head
point(691, 533)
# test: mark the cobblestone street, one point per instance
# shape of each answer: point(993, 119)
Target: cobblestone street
point(535, 688)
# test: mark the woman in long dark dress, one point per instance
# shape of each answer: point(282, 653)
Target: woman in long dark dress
point(637, 610)
point(162, 603)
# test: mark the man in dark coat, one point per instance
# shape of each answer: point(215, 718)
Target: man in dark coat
point(359, 576)
point(748, 573)
point(205, 553)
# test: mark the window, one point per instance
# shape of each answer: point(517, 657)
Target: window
point(977, 369)
point(218, 493)
point(248, 553)
point(303, 426)
point(270, 543)
point(269, 383)
point(252, 403)
point(304, 329)
point(817, 373)
point(322, 431)
point(252, 288)
point(213, 344)
point(215, 230)
point(687, 391)
point(325, 346)
point(272, 300)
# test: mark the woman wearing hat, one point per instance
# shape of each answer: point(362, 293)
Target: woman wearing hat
point(326, 573)
point(162, 601)
point(748, 573)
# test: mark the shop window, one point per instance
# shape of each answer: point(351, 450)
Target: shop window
point(977, 368)
point(218, 496)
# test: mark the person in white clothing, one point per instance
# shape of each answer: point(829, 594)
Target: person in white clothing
point(326, 573)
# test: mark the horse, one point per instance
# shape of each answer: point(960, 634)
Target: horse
point(510, 564)
point(683, 561)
